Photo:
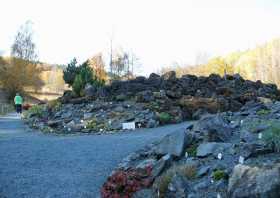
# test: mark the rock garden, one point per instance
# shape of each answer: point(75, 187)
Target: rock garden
point(230, 154)
point(146, 102)
point(231, 150)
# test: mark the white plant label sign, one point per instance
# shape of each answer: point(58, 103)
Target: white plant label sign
point(128, 125)
point(186, 155)
point(220, 156)
point(260, 136)
point(241, 160)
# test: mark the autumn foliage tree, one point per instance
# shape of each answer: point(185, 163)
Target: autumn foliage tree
point(123, 66)
point(98, 66)
point(20, 70)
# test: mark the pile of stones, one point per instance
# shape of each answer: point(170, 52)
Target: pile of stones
point(149, 102)
point(230, 154)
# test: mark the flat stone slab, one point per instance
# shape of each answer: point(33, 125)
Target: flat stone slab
point(206, 149)
point(174, 143)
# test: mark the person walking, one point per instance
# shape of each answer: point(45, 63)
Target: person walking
point(18, 103)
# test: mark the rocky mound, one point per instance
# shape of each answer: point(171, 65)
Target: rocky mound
point(150, 102)
point(93, 117)
point(186, 97)
point(229, 154)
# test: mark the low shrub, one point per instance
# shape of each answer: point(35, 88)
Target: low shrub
point(271, 136)
point(26, 107)
point(263, 112)
point(187, 170)
point(191, 150)
point(92, 124)
point(164, 118)
point(78, 85)
point(123, 184)
point(155, 106)
point(163, 182)
point(254, 124)
point(54, 105)
point(36, 110)
point(219, 174)
point(121, 97)
point(95, 125)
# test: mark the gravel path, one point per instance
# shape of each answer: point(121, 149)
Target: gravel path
point(35, 165)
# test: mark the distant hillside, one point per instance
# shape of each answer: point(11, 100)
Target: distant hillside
point(53, 83)
point(261, 63)
point(52, 76)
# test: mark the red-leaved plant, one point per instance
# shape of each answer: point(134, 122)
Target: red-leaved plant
point(26, 106)
point(123, 184)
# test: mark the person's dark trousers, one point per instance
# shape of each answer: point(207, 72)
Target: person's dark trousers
point(18, 108)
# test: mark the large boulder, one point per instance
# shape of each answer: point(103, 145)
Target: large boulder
point(255, 182)
point(174, 94)
point(54, 123)
point(215, 128)
point(145, 96)
point(212, 148)
point(174, 143)
point(253, 149)
point(90, 90)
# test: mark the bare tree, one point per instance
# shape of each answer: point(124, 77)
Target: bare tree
point(24, 46)
point(21, 71)
point(134, 64)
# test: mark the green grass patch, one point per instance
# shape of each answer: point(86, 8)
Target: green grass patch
point(219, 174)
point(271, 136)
point(254, 123)
point(164, 118)
point(95, 125)
point(35, 110)
point(54, 105)
point(263, 112)
point(191, 150)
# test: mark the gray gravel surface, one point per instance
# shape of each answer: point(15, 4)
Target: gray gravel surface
point(35, 165)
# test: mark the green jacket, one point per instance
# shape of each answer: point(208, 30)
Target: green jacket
point(18, 100)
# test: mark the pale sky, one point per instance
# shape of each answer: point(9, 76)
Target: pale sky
point(159, 32)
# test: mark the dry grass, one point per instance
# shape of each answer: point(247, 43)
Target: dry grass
point(161, 184)
point(5, 108)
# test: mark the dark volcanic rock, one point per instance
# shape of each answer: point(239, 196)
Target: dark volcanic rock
point(173, 144)
point(90, 90)
point(178, 187)
point(230, 167)
point(210, 148)
point(166, 99)
point(215, 128)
